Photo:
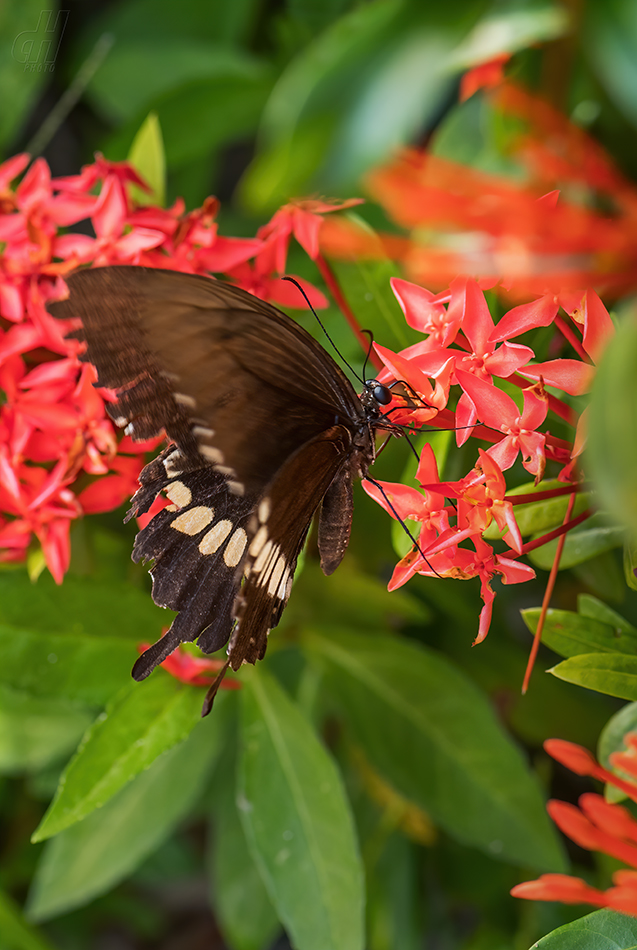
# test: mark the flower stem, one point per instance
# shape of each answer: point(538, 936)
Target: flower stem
point(568, 334)
point(548, 593)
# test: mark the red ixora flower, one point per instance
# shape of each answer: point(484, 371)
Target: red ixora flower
point(596, 825)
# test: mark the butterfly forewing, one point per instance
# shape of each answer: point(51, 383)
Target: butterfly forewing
point(262, 426)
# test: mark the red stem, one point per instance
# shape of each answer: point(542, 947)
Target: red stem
point(543, 495)
point(549, 536)
point(548, 593)
point(568, 334)
point(329, 277)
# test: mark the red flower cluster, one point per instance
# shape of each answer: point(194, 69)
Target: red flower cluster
point(596, 825)
point(460, 220)
point(463, 347)
point(55, 437)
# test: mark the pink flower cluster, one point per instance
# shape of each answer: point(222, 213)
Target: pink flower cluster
point(60, 456)
point(465, 349)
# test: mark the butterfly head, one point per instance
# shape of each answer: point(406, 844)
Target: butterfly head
point(375, 395)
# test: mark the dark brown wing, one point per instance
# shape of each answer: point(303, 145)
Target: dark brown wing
point(182, 349)
point(281, 522)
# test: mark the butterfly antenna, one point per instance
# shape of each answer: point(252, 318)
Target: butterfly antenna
point(324, 329)
point(369, 351)
point(403, 525)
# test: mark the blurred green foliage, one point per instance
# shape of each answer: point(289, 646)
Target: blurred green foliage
point(373, 739)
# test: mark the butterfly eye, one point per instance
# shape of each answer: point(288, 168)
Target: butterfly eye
point(381, 393)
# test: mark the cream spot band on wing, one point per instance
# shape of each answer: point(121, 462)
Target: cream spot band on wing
point(210, 453)
point(214, 538)
point(235, 548)
point(194, 520)
point(179, 493)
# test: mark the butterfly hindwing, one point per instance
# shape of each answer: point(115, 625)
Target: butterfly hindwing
point(278, 532)
point(198, 544)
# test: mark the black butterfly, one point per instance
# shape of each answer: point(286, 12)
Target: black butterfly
point(264, 428)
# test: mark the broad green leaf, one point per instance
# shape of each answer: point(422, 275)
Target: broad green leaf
point(138, 725)
point(611, 453)
point(148, 158)
point(297, 822)
point(77, 668)
point(357, 599)
point(612, 740)
point(108, 845)
point(508, 31)
point(611, 673)
point(602, 930)
point(35, 732)
point(589, 606)
point(15, 932)
point(610, 38)
point(136, 72)
point(582, 543)
point(570, 634)
point(242, 906)
point(538, 517)
point(602, 575)
point(433, 735)
point(80, 605)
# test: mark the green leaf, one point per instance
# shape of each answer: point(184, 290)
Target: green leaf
point(508, 31)
point(538, 517)
point(136, 72)
point(78, 669)
point(35, 732)
point(589, 606)
point(80, 605)
point(612, 740)
point(359, 600)
point(109, 844)
point(582, 543)
point(15, 932)
point(147, 157)
point(139, 724)
point(571, 634)
point(612, 673)
point(242, 906)
point(433, 735)
point(297, 822)
point(602, 930)
point(611, 452)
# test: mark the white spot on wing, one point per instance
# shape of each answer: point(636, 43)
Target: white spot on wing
point(214, 538)
point(235, 488)
point(202, 432)
point(265, 508)
point(258, 541)
point(235, 548)
point(179, 493)
point(171, 464)
point(194, 520)
point(263, 556)
point(183, 400)
point(210, 453)
point(275, 577)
